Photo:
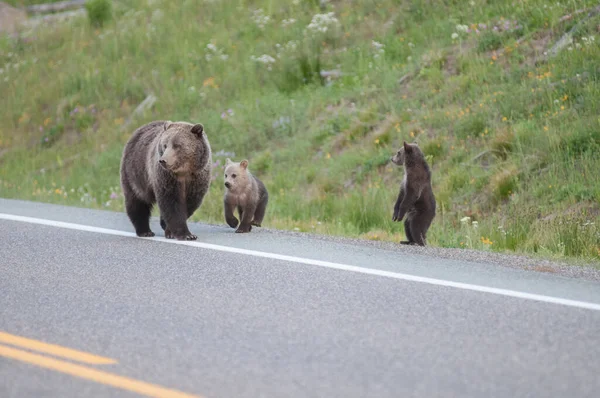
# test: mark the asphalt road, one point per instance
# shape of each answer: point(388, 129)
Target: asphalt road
point(269, 314)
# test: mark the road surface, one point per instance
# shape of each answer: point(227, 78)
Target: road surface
point(89, 310)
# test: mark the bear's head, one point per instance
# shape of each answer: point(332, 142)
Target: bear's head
point(236, 175)
point(408, 154)
point(183, 147)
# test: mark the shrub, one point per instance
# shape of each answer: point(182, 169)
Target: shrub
point(99, 11)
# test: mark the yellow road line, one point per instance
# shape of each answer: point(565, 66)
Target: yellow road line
point(98, 376)
point(53, 349)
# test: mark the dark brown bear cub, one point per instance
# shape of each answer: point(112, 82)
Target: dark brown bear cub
point(415, 200)
point(168, 163)
point(245, 192)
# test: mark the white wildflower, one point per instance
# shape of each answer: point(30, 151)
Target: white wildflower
point(212, 51)
point(321, 23)
point(288, 47)
point(264, 59)
point(587, 41)
point(454, 36)
point(379, 48)
point(465, 220)
point(260, 19)
point(288, 22)
point(462, 28)
point(475, 224)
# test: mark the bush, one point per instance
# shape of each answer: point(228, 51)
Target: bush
point(99, 11)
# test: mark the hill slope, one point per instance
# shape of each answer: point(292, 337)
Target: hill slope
point(318, 95)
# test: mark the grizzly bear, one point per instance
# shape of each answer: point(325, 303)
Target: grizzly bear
point(245, 192)
point(416, 199)
point(168, 163)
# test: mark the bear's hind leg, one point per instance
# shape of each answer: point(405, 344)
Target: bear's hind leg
point(163, 225)
point(409, 238)
point(139, 213)
point(259, 214)
point(418, 228)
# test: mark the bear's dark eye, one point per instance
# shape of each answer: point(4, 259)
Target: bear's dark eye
point(233, 176)
point(225, 175)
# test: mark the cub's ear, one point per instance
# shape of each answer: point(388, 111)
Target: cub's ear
point(198, 129)
point(228, 162)
point(244, 164)
point(407, 148)
point(167, 125)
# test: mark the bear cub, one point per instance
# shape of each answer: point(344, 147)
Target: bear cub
point(168, 163)
point(245, 192)
point(415, 200)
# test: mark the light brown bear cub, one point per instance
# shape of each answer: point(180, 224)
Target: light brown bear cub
point(245, 192)
point(416, 199)
point(168, 163)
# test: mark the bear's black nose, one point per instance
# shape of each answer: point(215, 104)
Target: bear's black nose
point(228, 184)
point(162, 161)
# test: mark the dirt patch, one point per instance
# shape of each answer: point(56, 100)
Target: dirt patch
point(580, 210)
point(544, 268)
point(11, 18)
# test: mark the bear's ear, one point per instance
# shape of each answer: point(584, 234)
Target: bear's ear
point(198, 129)
point(228, 162)
point(167, 125)
point(407, 147)
point(244, 164)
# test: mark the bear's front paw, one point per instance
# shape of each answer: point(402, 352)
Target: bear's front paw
point(256, 224)
point(188, 236)
point(232, 222)
point(243, 229)
point(147, 234)
point(169, 234)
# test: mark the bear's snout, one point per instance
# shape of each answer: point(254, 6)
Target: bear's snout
point(227, 184)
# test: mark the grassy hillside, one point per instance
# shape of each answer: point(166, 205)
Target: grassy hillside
point(512, 135)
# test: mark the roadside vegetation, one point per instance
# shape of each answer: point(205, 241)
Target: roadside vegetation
point(318, 95)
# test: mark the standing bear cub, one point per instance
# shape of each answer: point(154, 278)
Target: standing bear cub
point(416, 199)
point(168, 163)
point(245, 192)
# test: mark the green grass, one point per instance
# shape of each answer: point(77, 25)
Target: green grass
point(513, 140)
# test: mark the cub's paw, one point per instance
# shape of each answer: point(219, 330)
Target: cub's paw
point(169, 234)
point(147, 234)
point(405, 242)
point(256, 224)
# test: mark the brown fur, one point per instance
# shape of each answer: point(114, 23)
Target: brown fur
point(415, 200)
point(245, 192)
point(168, 163)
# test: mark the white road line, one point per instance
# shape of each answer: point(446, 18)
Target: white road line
point(319, 263)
